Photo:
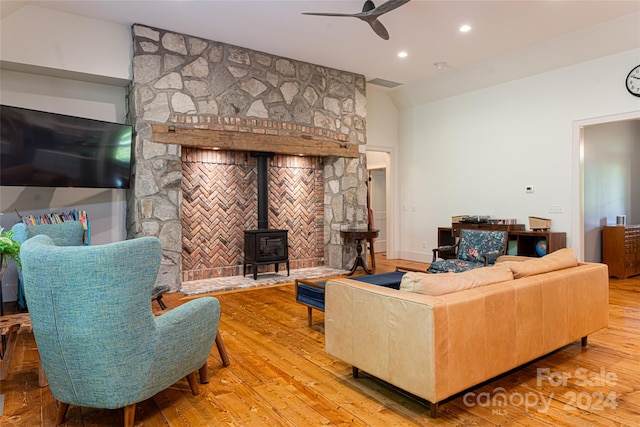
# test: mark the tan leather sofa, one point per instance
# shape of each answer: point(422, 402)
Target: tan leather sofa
point(437, 346)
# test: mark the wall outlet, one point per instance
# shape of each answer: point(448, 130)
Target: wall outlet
point(556, 209)
point(424, 245)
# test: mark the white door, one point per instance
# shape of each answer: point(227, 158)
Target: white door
point(379, 206)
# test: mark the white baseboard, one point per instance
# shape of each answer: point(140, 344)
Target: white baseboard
point(415, 256)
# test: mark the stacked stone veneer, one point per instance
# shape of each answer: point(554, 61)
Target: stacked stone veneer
point(187, 81)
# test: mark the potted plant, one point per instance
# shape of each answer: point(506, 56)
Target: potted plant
point(9, 247)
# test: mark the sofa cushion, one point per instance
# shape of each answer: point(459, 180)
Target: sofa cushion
point(558, 260)
point(445, 283)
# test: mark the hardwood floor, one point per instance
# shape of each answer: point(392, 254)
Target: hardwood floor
point(280, 375)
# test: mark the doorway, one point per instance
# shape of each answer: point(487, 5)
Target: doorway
point(379, 178)
point(593, 180)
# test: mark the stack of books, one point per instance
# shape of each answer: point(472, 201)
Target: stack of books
point(57, 218)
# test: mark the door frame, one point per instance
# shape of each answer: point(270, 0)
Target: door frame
point(371, 188)
point(392, 195)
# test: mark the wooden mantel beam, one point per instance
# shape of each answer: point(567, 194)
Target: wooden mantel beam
point(249, 141)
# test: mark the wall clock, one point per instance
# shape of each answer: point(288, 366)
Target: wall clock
point(633, 81)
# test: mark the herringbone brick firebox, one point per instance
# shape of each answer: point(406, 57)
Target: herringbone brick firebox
point(220, 202)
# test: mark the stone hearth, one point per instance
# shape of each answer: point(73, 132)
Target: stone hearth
point(189, 82)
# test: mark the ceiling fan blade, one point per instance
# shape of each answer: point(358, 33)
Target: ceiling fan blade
point(369, 14)
point(387, 7)
point(329, 14)
point(379, 28)
point(368, 6)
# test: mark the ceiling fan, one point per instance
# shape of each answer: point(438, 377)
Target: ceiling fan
point(370, 14)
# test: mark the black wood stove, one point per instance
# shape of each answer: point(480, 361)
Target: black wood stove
point(264, 245)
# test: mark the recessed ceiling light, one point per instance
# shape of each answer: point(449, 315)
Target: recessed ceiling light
point(465, 28)
point(402, 54)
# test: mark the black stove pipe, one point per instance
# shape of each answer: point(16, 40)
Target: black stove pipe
point(263, 188)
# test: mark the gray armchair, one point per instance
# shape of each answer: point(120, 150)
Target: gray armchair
point(99, 342)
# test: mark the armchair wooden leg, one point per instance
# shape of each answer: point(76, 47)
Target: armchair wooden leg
point(61, 413)
point(42, 377)
point(204, 373)
point(129, 415)
point(193, 383)
point(222, 350)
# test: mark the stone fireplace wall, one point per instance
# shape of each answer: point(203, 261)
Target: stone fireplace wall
point(190, 82)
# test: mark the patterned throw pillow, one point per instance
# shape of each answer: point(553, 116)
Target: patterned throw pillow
point(475, 244)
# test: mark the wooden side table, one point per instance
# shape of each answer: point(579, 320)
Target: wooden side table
point(359, 236)
point(10, 326)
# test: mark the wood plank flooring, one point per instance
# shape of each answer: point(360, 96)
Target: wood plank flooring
point(280, 375)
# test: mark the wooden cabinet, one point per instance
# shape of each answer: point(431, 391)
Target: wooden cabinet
point(457, 226)
point(526, 241)
point(621, 250)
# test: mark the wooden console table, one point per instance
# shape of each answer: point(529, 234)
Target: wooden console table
point(525, 240)
point(457, 226)
point(359, 236)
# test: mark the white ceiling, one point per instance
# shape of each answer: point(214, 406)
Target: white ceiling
point(509, 39)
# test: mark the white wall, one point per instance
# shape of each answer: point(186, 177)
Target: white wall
point(40, 37)
point(382, 137)
point(475, 153)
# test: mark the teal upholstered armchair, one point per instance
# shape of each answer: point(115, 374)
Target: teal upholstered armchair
point(70, 233)
point(99, 342)
point(475, 248)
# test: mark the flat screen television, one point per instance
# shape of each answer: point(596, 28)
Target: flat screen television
point(54, 150)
